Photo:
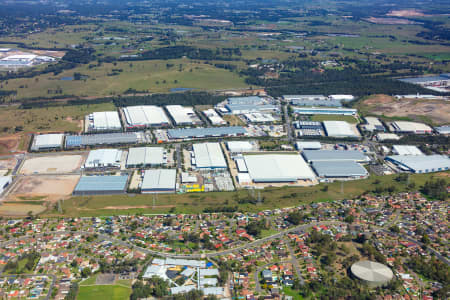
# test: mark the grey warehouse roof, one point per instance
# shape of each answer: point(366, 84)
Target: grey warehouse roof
point(333, 155)
point(245, 100)
point(159, 180)
point(185, 133)
point(209, 155)
point(145, 156)
point(73, 141)
point(101, 183)
point(339, 169)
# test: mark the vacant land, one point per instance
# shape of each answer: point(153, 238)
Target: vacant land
point(49, 187)
point(197, 203)
point(103, 292)
point(21, 209)
point(111, 79)
point(434, 112)
point(52, 164)
point(55, 118)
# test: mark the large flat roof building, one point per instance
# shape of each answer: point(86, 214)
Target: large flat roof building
point(159, 181)
point(4, 182)
point(339, 169)
point(443, 129)
point(241, 146)
point(312, 100)
point(198, 133)
point(145, 157)
point(339, 129)
point(103, 158)
point(214, 117)
point(308, 145)
point(104, 121)
point(238, 109)
point(406, 150)
point(47, 142)
point(79, 141)
point(259, 118)
point(278, 168)
point(411, 127)
point(420, 163)
point(373, 124)
point(209, 156)
point(145, 116)
point(183, 115)
point(334, 155)
point(101, 185)
point(325, 111)
point(251, 100)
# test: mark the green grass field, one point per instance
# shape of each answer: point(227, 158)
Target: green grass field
point(56, 118)
point(152, 76)
point(196, 203)
point(103, 292)
point(321, 118)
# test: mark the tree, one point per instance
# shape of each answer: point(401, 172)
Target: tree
point(86, 272)
point(295, 217)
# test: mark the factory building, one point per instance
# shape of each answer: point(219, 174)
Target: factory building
point(334, 155)
point(340, 129)
point(101, 185)
point(339, 169)
point(145, 116)
point(183, 115)
point(325, 111)
point(373, 124)
point(239, 109)
point(241, 146)
point(343, 98)
point(80, 141)
point(372, 273)
point(420, 163)
point(209, 156)
point(406, 150)
point(411, 127)
point(43, 142)
point(251, 100)
point(198, 133)
point(259, 118)
point(308, 145)
point(146, 157)
point(214, 117)
point(312, 100)
point(437, 83)
point(267, 168)
point(159, 181)
point(387, 136)
point(103, 121)
point(103, 159)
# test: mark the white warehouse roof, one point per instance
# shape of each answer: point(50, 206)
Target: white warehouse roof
point(241, 146)
point(339, 129)
point(145, 115)
point(103, 158)
point(406, 126)
point(105, 120)
point(209, 155)
point(278, 168)
point(310, 145)
point(159, 181)
point(183, 115)
point(46, 141)
point(406, 150)
point(421, 163)
point(145, 156)
point(214, 117)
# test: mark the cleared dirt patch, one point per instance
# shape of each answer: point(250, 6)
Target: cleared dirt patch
point(53, 187)
point(52, 164)
point(20, 209)
point(435, 110)
point(9, 144)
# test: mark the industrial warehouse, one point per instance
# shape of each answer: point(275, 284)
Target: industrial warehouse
point(103, 121)
point(209, 156)
point(278, 168)
point(159, 181)
point(334, 155)
point(183, 115)
point(198, 133)
point(44, 142)
point(410, 127)
point(420, 163)
point(325, 111)
point(145, 157)
point(103, 159)
point(101, 185)
point(340, 129)
point(145, 116)
point(81, 141)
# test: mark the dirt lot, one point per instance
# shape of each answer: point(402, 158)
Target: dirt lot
point(437, 111)
point(20, 209)
point(52, 164)
point(52, 187)
point(6, 164)
point(9, 144)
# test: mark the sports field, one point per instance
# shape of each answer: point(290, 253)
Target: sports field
point(103, 292)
